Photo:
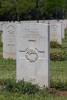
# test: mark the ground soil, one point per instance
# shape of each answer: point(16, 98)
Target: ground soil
point(61, 93)
point(58, 92)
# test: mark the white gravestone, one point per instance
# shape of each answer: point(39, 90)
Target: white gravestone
point(32, 53)
point(62, 28)
point(56, 32)
point(64, 21)
point(1, 29)
point(0, 26)
point(9, 41)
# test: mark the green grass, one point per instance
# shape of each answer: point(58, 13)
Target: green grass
point(58, 72)
point(58, 69)
point(18, 96)
point(7, 67)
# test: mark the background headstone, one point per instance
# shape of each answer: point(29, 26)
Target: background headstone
point(62, 28)
point(9, 41)
point(56, 32)
point(1, 29)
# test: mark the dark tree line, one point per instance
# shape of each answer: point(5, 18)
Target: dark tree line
point(32, 9)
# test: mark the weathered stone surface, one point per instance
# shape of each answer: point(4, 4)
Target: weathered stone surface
point(56, 32)
point(1, 29)
point(9, 41)
point(32, 53)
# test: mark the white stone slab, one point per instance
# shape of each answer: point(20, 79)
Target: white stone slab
point(62, 28)
point(9, 41)
point(32, 53)
point(1, 30)
point(0, 26)
point(56, 32)
point(65, 21)
point(2, 23)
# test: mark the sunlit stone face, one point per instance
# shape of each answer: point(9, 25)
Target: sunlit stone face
point(32, 53)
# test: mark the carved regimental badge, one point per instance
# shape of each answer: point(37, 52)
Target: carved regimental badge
point(31, 55)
